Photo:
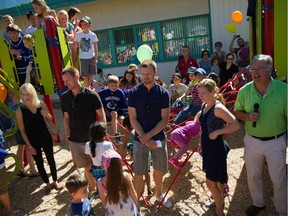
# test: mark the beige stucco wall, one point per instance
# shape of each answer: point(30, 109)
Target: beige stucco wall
point(114, 13)
point(111, 13)
point(107, 14)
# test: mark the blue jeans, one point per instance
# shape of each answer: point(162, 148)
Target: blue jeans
point(97, 172)
point(190, 110)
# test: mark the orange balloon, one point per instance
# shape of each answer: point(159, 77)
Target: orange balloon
point(237, 16)
point(3, 92)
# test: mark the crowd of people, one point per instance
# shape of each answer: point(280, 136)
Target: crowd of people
point(141, 103)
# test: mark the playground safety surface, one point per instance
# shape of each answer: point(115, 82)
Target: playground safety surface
point(189, 193)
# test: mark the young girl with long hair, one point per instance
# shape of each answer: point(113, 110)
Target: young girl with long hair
point(43, 11)
point(216, 120)
point(96, 146)
point(117, 192)
point(129, 80)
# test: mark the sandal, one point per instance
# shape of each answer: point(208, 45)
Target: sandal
point(56, 186)
point(48, 189)
point(21, 174)
point(33, 175)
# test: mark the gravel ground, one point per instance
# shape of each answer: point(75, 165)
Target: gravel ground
point(189, 192)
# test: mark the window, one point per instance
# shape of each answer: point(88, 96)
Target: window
point(104, 50)
point(198, 35)
point(125, 46)
point(193, 32)
point(146, 33)
point(119, 46)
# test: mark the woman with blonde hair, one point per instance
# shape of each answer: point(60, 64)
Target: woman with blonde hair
point(215, 120)
point(30, 119)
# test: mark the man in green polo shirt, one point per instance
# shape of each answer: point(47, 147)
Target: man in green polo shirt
point(262, 105)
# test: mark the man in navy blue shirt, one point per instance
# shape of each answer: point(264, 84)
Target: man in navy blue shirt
point(148, 107)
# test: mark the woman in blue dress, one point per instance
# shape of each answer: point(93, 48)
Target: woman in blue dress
point(216, 120)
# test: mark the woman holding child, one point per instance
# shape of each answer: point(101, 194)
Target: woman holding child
point(215, 121)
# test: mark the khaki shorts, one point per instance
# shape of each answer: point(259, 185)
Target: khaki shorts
point(87, 67)
point(141, 157)
point(3, 181)
point(78, 153)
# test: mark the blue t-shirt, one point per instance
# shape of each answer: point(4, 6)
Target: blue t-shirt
point(113, 101)
point(148, 107)
point(84, 208)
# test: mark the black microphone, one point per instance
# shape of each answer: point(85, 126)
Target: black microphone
point(256, 107)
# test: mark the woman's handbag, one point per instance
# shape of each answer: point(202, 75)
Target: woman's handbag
point(52, 128)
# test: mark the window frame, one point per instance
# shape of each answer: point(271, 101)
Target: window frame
point(159, 39)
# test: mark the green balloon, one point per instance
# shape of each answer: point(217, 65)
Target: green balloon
point(144, 52)
point(231, 27)
point(190, 40)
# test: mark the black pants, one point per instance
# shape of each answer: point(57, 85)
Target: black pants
point(48, 150)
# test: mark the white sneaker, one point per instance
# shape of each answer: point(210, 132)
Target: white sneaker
point(167, 203)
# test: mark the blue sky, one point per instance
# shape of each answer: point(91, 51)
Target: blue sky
point(12, 3)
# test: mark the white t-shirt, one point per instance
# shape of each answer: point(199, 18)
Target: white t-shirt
point(100, 148)
point(169, 36)
point(85, 42)
point(177, 92)
point(30, 30)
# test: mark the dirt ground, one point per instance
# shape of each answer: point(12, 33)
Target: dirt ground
point(189, 192)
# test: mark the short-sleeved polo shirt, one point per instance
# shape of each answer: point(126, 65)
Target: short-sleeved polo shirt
point(272, 108)
point(148, 105)
point(82, 112)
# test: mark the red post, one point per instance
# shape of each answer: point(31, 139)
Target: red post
point(268, 27)
point(54, 52)
point(56, 63)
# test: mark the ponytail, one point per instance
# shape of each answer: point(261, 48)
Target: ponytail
point(218, 96)
point(92, 146)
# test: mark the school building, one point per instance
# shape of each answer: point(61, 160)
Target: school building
point(165, 25)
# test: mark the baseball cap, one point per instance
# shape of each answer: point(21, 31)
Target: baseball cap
point(212, 75)
point(107, 156)
point(86, 19)
point(191, 70)
point(201, 71)
point(178, 75)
